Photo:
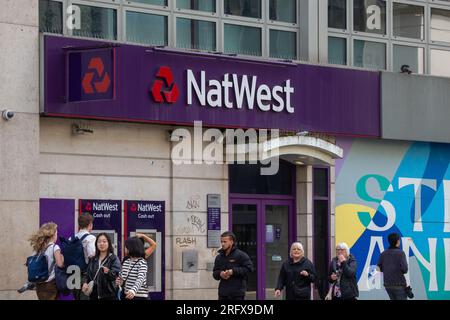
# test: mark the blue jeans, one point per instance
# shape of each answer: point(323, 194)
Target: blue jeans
point(396, 293)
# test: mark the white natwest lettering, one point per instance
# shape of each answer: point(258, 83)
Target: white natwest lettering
point(149, 207)
point(105, 206)
point(276, 99)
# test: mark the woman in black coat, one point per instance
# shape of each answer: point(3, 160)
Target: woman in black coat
point(342, 275)
point(103, 269)
point(296, 274)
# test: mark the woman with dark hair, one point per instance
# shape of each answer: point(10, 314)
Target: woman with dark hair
point(133, 277)
point(102, 271)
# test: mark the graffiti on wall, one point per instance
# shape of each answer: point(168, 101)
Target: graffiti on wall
point(384, 187)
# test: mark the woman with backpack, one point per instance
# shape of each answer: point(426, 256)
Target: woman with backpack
point(102, 271)
point(133, 277)
point(43, 243)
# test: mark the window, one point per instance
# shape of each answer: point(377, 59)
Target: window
point(201, 5)
point(337, 50)
point(242, 40)
point(368, 54)
point(369, 16)
point(244, 8)
point(412, 56)
point(196, 34)
point(439, 65)
point(321, 227)
point(146, 28)
point(283, 10)
point(440, 25)
point(50, 16)
point(283, 44)
point(97, 22)
point(153, 2)
point(247, 179)
point(337, 14)
point(408, 21)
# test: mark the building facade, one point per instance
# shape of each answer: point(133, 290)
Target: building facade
point(108, 100)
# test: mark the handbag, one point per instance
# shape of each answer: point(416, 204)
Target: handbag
point(409, 292)
point(90, 286)
point(61, 278)
point(329, 295)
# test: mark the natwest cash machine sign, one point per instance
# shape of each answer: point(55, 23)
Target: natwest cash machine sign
point(107, 219)
point(147, 217)
point(167, 86)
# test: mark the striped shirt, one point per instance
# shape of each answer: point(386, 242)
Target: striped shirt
point(135, 275)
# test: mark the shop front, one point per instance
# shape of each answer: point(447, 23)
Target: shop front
point(118, 123)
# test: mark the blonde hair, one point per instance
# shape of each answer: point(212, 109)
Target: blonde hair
point(44, 235)
point(297, 245)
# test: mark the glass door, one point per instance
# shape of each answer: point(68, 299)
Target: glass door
point(264, 230)
point(276, 244)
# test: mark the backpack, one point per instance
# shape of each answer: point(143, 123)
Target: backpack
point(37, 267)
point(73, 252)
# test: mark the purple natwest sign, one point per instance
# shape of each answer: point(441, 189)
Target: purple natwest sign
point(163, 86)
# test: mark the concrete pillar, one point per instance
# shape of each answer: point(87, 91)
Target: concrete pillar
point(19, 140)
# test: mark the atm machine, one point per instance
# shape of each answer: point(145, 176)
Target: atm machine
point(148, 217)
point(107, 219)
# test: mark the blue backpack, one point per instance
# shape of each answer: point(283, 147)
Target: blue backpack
point(73, 252)
point(37, 266)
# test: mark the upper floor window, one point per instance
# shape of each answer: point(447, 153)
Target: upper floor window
point(50, 16)
point(408, 21)
point(97, 22)
point(369, 16)
point(283, 10)
point(200, 5)
point(243, 8)
point(337, 14)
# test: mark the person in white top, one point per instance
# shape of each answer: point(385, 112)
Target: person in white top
point(44, 241)
point(85, 225)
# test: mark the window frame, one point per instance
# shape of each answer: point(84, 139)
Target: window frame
point(370, 39)
point(264, 45)
point(190, 17)
point(145, 11)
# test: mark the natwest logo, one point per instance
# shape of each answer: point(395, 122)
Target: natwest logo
point(164, 88)
point(96, 67)
point(150, 207)
point(233, 90)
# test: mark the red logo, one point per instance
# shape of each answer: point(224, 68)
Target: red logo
point(88, 206)
point(100, 86)
point(133, 207)
point(165, 79)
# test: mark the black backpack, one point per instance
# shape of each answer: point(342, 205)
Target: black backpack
point(73, 252)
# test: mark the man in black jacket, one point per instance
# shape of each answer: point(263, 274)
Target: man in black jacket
point(231, 268)
point(392, 262)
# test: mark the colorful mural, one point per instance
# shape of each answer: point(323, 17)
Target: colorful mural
point(386, 186)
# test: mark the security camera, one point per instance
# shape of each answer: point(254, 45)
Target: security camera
point(405, 69)
point(7, 114)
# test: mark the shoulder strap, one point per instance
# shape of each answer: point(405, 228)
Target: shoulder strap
point(103, 263)
point(84, 236)
point(54, 260)
point(129, 271)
